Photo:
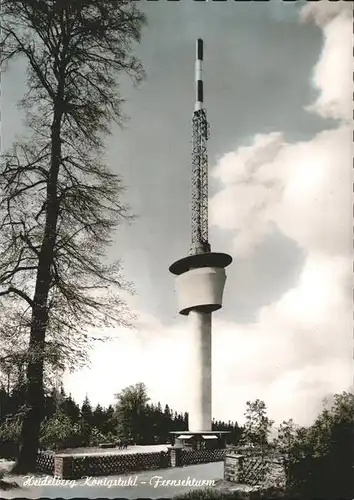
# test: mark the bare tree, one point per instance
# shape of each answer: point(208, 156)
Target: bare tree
point(59, 202)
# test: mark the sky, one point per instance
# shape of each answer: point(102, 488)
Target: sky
point(278, 93)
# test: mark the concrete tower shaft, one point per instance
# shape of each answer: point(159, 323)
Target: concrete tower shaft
point(200, 383)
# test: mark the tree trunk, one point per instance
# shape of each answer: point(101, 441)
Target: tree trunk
point(32, 420)
point(30, 431)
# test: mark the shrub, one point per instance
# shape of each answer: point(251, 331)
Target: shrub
point(97, 437)
point(321, 458)
point(60, 432)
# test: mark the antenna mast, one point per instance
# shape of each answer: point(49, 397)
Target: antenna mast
point(199, 187)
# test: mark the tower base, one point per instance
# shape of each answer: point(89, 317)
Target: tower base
point(203, 440)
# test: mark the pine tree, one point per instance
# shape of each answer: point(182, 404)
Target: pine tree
point(86, 411)
point(71, 409)
point(98, 417)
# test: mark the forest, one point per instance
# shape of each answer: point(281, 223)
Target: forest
point(67, 424)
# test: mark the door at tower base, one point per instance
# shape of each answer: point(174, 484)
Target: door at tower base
point(186, 441)
point(211, 442)
point(199, 442)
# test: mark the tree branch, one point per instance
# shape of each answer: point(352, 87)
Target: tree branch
point(18, 292)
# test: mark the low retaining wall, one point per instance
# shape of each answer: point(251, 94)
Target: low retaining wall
point(191, 457)
point(254, 469)
point(45, 462)
point(67, 466)
point(74, 467)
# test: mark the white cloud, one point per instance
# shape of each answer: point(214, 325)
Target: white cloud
point(331, 72)
point(300, 349)
point(305, 189)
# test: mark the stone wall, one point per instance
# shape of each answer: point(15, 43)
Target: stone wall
point(75, 467)
point(254, 469)
point(240, 466)
point(232, 467)
point(67, 466)
point(45, 462)
point(191, 457)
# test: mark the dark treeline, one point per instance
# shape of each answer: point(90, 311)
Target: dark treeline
point(67, 424)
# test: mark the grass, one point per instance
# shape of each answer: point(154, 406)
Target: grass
point(214, 494)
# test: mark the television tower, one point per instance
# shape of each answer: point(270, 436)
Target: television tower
point(200, 277)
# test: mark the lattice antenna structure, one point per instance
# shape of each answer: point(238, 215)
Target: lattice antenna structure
point(199, 186)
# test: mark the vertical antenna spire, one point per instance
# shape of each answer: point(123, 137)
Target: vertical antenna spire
point(199, 75)
point(199, 188)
